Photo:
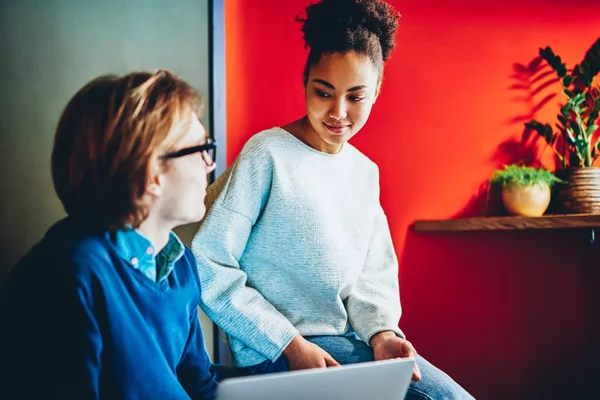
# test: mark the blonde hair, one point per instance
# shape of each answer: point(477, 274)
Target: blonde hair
point(109, 140)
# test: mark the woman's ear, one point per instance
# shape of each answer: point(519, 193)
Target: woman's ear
point(377, 91)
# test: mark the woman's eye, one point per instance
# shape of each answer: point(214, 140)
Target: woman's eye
point(357, 99)
point(321, 93)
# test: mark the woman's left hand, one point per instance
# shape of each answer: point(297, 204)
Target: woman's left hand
point(386, 346)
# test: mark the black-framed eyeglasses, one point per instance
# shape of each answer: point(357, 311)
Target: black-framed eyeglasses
point(208, 151)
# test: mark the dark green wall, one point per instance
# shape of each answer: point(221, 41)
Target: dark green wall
point(48, 50)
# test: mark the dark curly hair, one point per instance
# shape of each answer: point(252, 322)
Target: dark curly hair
point(337, 26)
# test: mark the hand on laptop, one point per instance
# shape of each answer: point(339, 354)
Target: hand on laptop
point(386, 345)
point(302, 354)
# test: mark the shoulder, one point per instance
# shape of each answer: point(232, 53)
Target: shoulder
point(65, 259)
point(266, 144)
point(252, 170)
point(74, 250)
point(87, 256)
point(361, 161)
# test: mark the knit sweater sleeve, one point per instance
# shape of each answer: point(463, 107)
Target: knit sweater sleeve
point(374, 304)
point(235, 202)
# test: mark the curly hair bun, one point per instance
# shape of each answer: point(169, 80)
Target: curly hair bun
point(345, 25)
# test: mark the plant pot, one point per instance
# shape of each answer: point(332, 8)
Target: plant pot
point(528, 201)
point(581, 192)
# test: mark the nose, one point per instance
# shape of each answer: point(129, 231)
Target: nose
point(338, 110)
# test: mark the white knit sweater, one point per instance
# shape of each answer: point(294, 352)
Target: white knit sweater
point(295, 241)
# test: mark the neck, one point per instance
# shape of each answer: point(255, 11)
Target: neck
point(304, 131)
point(156, 231)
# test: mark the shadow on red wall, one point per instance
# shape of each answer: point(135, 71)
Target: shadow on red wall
point(530, 81)
point(521, 309)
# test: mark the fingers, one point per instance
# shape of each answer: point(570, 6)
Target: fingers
point(408, 349)
point(416, 373)
point(330, 361)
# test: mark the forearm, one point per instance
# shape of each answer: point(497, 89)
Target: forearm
point(243, 313)
point(369, 317)
point(374, 304)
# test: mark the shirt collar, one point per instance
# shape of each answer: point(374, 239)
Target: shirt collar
point(168, 256)
point(136, 250)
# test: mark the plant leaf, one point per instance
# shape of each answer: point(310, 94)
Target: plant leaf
point(547, 133)
point(590, 66)
point(575, 127)
point(562, 119)
point(569, 137)
point(594, 112)
point(523, 175)
point(554, 61)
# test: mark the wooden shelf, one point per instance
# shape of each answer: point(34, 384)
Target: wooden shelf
point(555, 221)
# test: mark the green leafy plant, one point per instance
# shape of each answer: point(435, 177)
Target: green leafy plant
point(573, 141)
point(523, 176)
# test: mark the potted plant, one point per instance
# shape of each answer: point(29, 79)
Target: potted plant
point(575, 140)
point(525, 190)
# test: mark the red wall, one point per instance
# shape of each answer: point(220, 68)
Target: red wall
point(508, 315)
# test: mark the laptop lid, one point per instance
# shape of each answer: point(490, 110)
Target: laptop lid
point(363, 381)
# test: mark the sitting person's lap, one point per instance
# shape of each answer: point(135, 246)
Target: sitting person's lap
point(434, 384)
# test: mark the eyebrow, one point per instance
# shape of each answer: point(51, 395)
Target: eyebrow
point(330, 86)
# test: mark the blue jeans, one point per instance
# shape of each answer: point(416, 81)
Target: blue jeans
point(434, 383)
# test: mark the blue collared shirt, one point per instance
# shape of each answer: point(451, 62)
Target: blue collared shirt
point(137, 251)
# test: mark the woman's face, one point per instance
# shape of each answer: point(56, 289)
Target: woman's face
point(340, 91)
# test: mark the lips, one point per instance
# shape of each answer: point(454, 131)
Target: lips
point(336, 128)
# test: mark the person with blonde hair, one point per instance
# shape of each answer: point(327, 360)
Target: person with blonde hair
point(105, 305)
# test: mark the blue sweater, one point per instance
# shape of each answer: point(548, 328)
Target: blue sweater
point(80, 323)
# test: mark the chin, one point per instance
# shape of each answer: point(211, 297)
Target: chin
point(201, 214)
point(196, 216)
point(335, 139)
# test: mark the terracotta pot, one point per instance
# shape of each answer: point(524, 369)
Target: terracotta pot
point(529, 201)
point(581, 193)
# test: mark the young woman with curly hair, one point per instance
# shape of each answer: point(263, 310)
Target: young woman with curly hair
point(295, 255)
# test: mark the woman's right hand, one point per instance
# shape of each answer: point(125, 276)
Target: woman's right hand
point(302, 354)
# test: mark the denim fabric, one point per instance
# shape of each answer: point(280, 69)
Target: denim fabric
point(434, 383)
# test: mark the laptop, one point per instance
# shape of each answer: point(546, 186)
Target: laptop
point(387, 379)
